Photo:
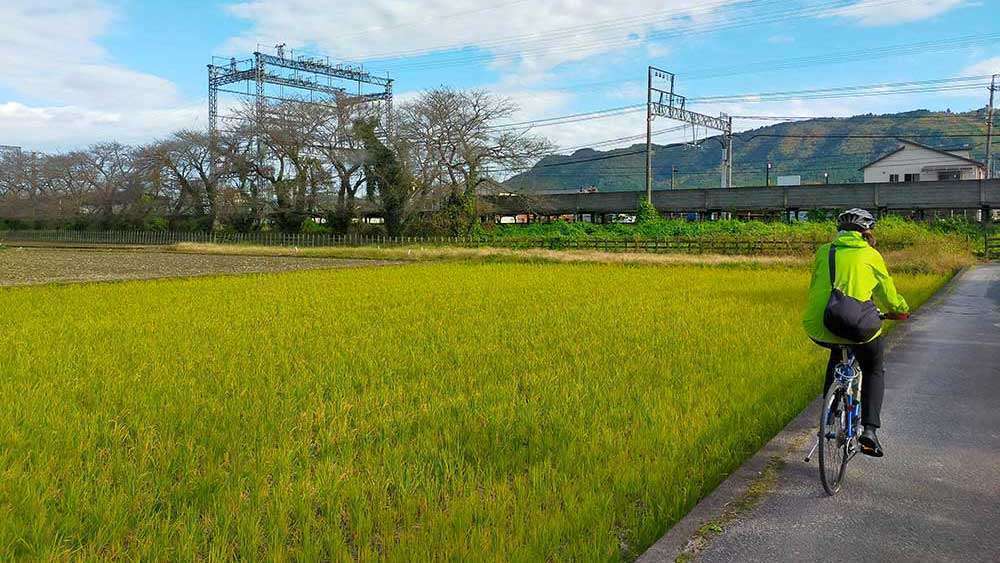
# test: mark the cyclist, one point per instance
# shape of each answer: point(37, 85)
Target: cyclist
point(861, 274)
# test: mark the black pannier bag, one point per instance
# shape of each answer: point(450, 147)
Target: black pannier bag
point(847, 317)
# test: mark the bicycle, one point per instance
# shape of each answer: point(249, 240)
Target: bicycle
point(840, 419)
point(837, 439)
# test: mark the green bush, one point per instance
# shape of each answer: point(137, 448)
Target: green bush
point(423, 228)
point(646, 213)
point(311, 227)
point(891, 231)
point(157, 224)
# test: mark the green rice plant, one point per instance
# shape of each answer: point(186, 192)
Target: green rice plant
point(429, 411)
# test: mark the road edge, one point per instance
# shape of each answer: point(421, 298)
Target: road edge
point(742, 489)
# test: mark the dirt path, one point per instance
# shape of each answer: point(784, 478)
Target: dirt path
point(27, 265)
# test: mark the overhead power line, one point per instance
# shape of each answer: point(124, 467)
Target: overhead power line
point(405, 24)
point(560, 35)
point(573, 117)
point(884, 88)
point(863, 90)
point(623, 139)
point(771, 65)
point(575, 39)
point(861, 136)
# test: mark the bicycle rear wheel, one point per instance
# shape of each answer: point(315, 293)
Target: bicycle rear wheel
point(833, 453)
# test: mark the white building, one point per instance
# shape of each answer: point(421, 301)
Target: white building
point(916, 162)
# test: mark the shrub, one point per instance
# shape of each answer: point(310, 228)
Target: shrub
point(311, 227)
point(646, 213)
point(367, 230)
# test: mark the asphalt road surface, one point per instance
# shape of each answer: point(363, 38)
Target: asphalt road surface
point(936, 494)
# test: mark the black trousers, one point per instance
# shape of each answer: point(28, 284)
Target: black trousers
point(869, 356)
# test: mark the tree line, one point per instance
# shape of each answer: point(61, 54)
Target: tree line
point(292, 166)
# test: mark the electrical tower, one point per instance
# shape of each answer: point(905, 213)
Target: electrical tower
point(662, 101)
point(264, 78)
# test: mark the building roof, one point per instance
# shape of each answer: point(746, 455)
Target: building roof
point(923, 146)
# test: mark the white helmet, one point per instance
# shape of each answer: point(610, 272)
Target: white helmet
point(855, 220)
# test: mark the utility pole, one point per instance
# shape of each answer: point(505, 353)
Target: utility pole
point(989, 128)
point(649, 136)
point(727, 172)
point(767, 174)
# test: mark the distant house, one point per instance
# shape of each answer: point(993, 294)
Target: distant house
point(916, 162)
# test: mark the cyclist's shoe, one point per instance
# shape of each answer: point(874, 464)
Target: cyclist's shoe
point(869, 443)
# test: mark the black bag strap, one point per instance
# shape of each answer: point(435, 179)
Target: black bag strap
point(833, 266)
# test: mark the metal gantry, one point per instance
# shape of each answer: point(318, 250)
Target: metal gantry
point(302, 79)
point(662, 101)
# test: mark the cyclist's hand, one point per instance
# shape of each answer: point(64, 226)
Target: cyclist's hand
point(897, 316)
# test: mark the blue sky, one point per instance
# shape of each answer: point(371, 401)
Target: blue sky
point(84, 71)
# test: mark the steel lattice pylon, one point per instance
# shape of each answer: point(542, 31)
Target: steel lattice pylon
point(311, 80)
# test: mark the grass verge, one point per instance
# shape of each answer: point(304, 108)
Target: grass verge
point(761, 485)
point(929, 257)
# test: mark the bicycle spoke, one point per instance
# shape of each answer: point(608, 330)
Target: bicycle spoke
point(833, 455)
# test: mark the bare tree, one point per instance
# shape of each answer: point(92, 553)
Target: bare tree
point(200, 171)
point(109, 172)
point(455, 145)
point(287, 162)
point(289, 134)
point(64, 178)
point(343, 151)
point(21, 184)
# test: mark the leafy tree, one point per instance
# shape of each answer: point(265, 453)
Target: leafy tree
point(388, 182)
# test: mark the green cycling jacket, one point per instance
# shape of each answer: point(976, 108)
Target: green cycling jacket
point(861, 274)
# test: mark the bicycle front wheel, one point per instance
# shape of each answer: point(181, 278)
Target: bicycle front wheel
point(833, 440)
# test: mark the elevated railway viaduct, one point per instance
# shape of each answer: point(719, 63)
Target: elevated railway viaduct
point(918, 197)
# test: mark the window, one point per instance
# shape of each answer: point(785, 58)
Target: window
point(950, 175)
point(893, 178)
point(911, 177)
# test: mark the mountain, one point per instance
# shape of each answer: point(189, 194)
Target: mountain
point(836, 146)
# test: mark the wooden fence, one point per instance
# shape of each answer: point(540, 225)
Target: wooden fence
point(664, 244)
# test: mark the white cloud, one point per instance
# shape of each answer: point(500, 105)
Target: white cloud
point(50, 55)
point(657, 50)
point(523, 35)
point(535, 104)
point(881, 13)
point(71, 127)
point(988, 66)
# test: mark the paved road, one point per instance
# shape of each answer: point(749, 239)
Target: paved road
point(936, 496)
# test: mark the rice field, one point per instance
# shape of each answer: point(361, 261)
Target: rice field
point(446, 411)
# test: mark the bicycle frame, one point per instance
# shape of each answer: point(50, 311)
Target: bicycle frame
point(847, 376)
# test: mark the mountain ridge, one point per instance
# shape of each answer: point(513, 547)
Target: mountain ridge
point(837, 146)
